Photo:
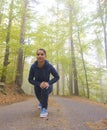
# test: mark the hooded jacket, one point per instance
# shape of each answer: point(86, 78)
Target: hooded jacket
point(38, 75)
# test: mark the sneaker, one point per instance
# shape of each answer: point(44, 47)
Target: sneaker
point(43, 113)
point(39, 106)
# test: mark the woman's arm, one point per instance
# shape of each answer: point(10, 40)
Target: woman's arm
point(55, 76)
point(31, 77)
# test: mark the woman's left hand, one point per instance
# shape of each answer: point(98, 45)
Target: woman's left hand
point(44, 85)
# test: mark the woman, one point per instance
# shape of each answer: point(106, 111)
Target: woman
point(39, 76)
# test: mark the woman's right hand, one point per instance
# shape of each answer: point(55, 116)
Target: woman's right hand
point(44, 85)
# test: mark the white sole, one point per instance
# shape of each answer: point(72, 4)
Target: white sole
point(43, 115)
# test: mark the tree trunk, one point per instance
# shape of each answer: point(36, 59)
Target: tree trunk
point(103, 17)
point(6, 57)
point(57, 40)
point(76, 91)
point(1, 9)
point(58, 81)
point(70, 83)
point(85, 71)
point(20, 63)
point(63, 82)
point(74, 76)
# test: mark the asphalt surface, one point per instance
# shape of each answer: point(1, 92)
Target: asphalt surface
point(64, 114)
point(78, 113)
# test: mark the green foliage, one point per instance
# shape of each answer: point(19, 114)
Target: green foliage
point(53, 34)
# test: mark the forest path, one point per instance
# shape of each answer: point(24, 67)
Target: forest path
point(64, 114)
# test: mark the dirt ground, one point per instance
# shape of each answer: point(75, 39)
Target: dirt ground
point(99, 125)
point(83, 99)
point(10, 95)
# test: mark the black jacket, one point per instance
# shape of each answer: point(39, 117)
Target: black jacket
point(38, 75)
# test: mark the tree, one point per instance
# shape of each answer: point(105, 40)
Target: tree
point(76, 91)
point(102, 11)
point(1, 10)
point(6, 57)
point(20, 63)
point(79, 23)
point(83, 61)
point(75, 78)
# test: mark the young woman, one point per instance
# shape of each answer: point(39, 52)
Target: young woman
point(39, 76)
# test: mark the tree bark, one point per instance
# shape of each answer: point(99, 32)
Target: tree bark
point(1, 9)
point(103, 17)
point(6, 57)
point(75, 79)
point(85, 71)
point(58, 81)
point(20, 63)
point(70, 82)
point(76, 91)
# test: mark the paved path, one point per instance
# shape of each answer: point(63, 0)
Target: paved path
point(64, 114)
point(78, 113)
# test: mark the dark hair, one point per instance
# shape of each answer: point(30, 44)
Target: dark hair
point(41, 49)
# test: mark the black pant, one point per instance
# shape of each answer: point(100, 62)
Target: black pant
point(42, 95)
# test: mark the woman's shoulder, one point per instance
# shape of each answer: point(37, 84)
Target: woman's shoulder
point(48, 63)
point(34, 64)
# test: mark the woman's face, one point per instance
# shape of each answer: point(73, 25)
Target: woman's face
point(41, 56)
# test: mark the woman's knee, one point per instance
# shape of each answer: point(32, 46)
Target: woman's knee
point(50, 89)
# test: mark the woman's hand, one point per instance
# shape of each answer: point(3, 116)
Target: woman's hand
point(44, 85)
point(47, 85)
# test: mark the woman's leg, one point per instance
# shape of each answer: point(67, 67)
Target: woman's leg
point(37, 91)
point(44, 96)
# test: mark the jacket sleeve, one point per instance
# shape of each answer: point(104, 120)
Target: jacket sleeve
point(31, 78)
point(55, 75)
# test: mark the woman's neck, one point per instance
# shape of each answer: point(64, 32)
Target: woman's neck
point(41, 64)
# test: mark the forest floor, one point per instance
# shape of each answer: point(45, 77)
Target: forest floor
point(10, 95)
point(19, 112)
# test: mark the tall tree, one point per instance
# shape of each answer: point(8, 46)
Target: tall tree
point(75, 78)
point(57, 39)
point(1, 10)
point(79, 23)
point(70, 78)
point(102, 11)
point(76, 91)
point(83, 61)
point(20, 63)
point(6, 57)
